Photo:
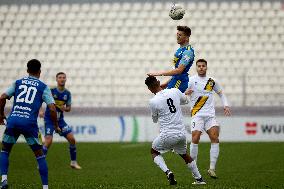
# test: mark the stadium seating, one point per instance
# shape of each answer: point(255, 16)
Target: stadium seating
point(106, 49)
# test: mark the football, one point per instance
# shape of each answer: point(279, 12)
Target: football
point(177, 12)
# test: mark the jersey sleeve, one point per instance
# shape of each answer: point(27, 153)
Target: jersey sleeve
point(11, 90)
point(217, 87)
point(183, 97)
point(190, 82)
point(69, 101)
point(154, 111)
point(47, 96)
point(187, 57)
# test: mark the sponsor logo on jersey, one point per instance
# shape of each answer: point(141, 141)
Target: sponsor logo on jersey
point(209, 85)
point(186, 57)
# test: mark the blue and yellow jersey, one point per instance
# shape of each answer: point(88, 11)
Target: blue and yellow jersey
point(184, 55)
point(61, 98)
point(29, 93)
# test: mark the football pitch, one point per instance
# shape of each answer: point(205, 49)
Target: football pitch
point(129, 165)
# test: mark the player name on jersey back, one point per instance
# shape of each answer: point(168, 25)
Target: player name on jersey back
point(30, 82)
point(28, 93)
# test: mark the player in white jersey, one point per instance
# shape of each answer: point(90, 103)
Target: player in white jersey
point(165, 108)
point(201, 90)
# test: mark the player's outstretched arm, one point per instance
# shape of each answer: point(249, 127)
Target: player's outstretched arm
point(175, 71)
point(165, 84)
point(3, 98)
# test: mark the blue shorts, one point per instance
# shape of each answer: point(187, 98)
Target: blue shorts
point(182, 85)
point(31, 134)
point(49, 128)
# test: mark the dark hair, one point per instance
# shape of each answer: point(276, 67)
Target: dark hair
point(33, 66)
point(59, 73)
point(184, 29)
point(201, 60)
point(151, 82)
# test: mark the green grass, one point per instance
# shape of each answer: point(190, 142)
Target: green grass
point(128, 165)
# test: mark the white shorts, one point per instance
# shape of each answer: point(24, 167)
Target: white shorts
point(173, 141)
point(203, 123)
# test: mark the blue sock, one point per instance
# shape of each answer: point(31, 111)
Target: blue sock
point(4, 162)
point(73, 153)
point(43, 170)
point(44, 149)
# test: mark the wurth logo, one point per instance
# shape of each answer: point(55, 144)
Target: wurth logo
point(272, 128)
point(251, 128)
point(264, 128)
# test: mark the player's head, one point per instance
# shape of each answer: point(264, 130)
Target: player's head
point(33, 67)
point(183, 34)
point(201, 67)
point(153, 84)
point(61, 79)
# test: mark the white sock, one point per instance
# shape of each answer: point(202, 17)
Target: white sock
point(193, 168)
point(44, 186)
point(214, 153)
point(73, 162)
point(194, 151)
point(159, 160)
point(4, 177)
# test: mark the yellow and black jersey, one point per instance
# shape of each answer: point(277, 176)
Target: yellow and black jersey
point(202, 98)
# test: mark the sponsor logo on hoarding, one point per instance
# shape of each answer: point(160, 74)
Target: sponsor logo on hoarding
point(84, 129)
point(272, 128)
point(78, 129)
point(135, 129)
point(251, 128)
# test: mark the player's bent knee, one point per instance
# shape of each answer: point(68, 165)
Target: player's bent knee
point(48, 140)
point(195, 139)
point(154, 152)
point(71, 139)
point(186, 158)
point(214, 137)
point(38, 152)
point(196, 136)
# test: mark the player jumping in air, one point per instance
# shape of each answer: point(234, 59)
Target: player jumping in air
point(29, 93)
point(201, 90)
point(62, 99)
point(165, 108)
point(182, 61)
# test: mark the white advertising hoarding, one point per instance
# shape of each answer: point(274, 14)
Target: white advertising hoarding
point(142, 129)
